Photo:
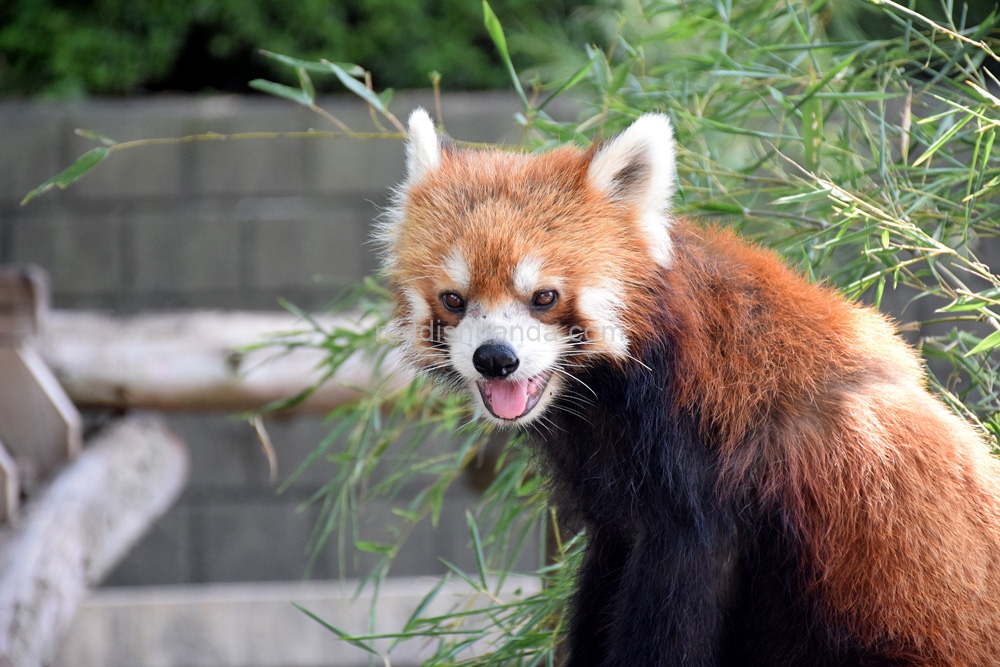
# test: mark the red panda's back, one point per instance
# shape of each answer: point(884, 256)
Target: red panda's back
point(821, 409)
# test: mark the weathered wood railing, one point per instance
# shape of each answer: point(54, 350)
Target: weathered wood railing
point(83, 511)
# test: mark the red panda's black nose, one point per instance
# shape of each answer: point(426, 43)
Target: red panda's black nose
point(495, 360)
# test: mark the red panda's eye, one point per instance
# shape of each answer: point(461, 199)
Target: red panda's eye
point(544, 298)
point(453, 302)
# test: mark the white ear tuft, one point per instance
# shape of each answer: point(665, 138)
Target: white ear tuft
point(638, 167)
point(423, 150)
point(423, 155)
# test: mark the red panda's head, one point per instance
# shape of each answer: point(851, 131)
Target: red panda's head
point(511, 270)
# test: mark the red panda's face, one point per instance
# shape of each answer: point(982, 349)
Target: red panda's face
point(511, 270)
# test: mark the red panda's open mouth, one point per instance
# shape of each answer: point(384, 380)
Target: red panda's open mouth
point(510, 400)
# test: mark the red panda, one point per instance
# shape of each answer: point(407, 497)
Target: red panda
point(763, 477)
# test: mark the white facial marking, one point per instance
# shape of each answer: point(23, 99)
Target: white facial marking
point(403, 328)
point(420, 312)
point(457, 270)
point(601, 306)
point(528, 274)
point(537, 346)
point(639, 166)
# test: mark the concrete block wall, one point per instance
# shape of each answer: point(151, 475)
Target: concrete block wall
point(228, 225)
point(224, 224)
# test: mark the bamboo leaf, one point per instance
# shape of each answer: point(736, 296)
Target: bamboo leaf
point(721, 207)
point(306, 84)
point(879, 290)
point(350, 639)
point(72, 173)
point(477, 546)
point(355, 86)
point(812, 132)
point(294, 94)
point(577, 77)
point(372, 547)
point(350, 68)
point(942, 140)
point(424, 603)
point(985, 345)
point(495, 30)
point(978, 301)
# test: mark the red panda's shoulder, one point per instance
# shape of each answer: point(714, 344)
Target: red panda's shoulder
point(755, 339)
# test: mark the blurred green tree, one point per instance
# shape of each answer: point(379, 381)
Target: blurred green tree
point(69, 48)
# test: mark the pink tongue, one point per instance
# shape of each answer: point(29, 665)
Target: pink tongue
point(508, 399)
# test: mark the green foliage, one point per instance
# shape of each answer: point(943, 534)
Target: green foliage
point(869, 163)
point(65, 48)
point(867, 19)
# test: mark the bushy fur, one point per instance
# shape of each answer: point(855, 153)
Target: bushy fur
point(763, 476)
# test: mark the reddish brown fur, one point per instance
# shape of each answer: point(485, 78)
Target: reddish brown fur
point(476, 202)
point(896, 499)
point(818, 408)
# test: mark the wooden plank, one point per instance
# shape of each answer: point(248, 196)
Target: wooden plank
point(39, 425)
point(198, 361)
point(75, 530)
point(24, 300)
point(10, 487)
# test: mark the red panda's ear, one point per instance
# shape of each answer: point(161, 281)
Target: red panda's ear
point(423, 148)
point(423, 156)
point(638, 167)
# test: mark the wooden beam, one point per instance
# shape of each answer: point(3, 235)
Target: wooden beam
point(74, 531)
point(10, 487)
point(197, 361)
point(24, 301)
point(39, 424)
point(40, 427)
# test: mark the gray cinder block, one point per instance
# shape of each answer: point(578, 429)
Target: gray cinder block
point(183, 250)
point(82, 253)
